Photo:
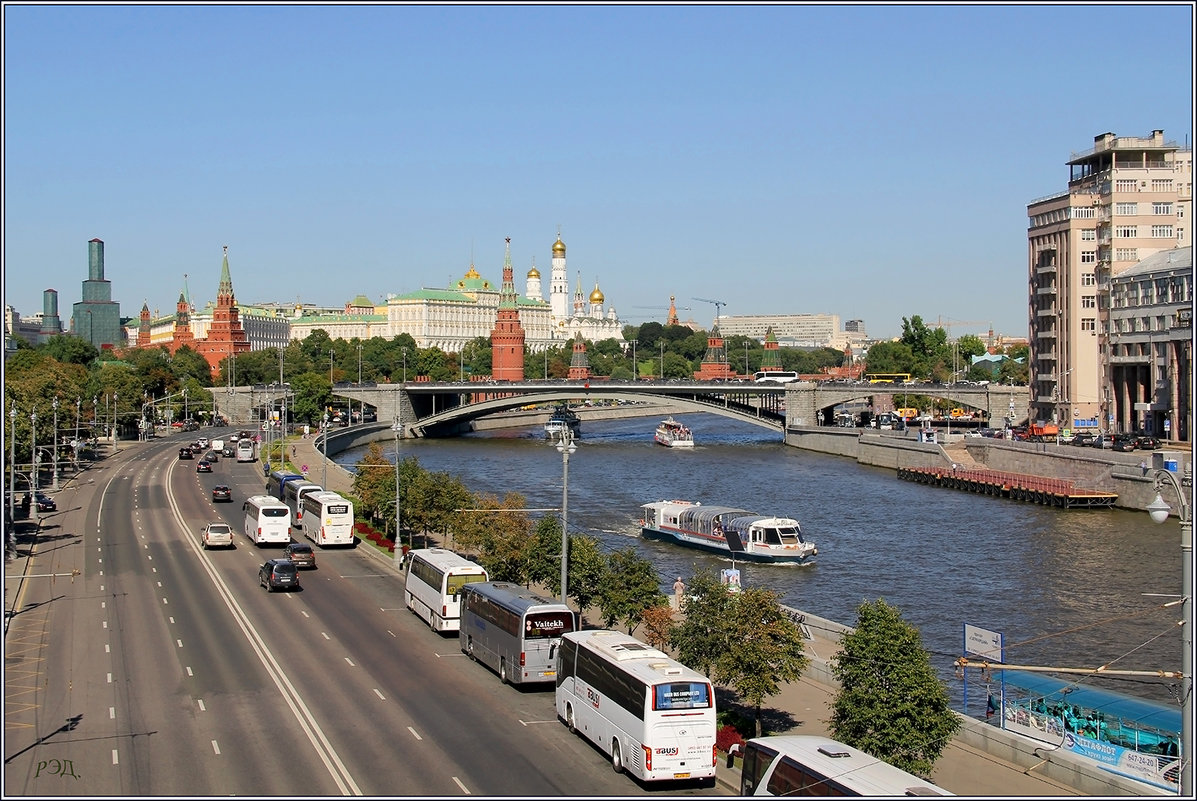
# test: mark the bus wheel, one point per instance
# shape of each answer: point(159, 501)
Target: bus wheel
point(569, 719)
point(503, 670)
point(616, 759)
point(469, 649)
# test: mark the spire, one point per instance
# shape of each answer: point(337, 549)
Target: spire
point(507, 292)
point(226, 281)
point(186, 293)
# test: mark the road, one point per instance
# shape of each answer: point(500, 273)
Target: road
point(164, 669)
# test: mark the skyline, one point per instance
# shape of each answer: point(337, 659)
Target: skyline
point(872, 162)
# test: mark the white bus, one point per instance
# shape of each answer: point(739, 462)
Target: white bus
point(267, 520)
point(246, 450)
point(513, 630)
point(433, 578)
point(805, 765)
point(774, 376)
point(654, 716)
point(327, 519)
point(293, 492)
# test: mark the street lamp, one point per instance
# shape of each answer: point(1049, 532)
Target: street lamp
point(54, 404)
point(565, 446)
point(12, 458)
point(635, 366)
point(398, 429)
point(361, 403)
point(404, 349)
point(662, 376)
point(186, 416)
point(324, 444)
point(33, 451)
point(115, 440)
point(1159, 510)
point(78, 412)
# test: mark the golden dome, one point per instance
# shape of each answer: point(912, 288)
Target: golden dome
point(558, 246)
point(597, 295)
point(534, 273)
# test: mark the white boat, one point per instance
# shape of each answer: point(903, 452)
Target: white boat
point(673, 434)
point(563, 418)
point(727, 530)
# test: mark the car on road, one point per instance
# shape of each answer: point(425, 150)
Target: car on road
point(302, 554)
point(278, 574)
point(216, 535)
point(1083, 438)
point(1103, 441)
point(221, 493)
point(228, 452)
point(202, 442)
point(1125, 442)
point(203, 466)
point(185, 453)
point(44, 502)
point(1146, 442)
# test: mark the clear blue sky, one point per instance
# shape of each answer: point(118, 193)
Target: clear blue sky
point(871, 162)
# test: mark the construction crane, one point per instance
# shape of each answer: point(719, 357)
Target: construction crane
point(947, 326)
point(718, 305)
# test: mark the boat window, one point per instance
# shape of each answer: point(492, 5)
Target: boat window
point(771, 536)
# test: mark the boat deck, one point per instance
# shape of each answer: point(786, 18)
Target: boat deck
point(1015, 486)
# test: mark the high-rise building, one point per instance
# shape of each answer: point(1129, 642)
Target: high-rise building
point(1127, 198)
point(97, 318)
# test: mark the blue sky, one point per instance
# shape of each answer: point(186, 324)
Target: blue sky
point(872, 162)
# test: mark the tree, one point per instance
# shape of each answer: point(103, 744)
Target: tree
point(544, 554)
point(764, 648)
point(69, 348)
point(374, 485)
point(658, 625)
point(587, 570)
point(310, 394)
point(890, 704)
point(700, 638)
point(632, 586)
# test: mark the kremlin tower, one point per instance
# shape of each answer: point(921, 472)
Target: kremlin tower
point(226, 337)
point(507, 337)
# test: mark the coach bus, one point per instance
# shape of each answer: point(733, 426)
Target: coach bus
point(267, 520)
point(246, 450)
point(806, 765)
point(651, 714)
point(327, 519)
point(774, 376)
point(432, 585)
point(293, 492)
point(513, 630)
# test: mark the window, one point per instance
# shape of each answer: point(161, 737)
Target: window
point(1088, 234)
point(1180, 235)
point(1088, 301)
point(1161, 184)
point(1088, 256)
point(1126, 231)
point(1161, 208)
point(1089, 324)
point(1088, 279)
point(1083, 212)
point(1126, 209)
point(1126, 185)
point(1161, 232)
point(1126, 254)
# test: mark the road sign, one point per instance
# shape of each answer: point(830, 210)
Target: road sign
point(1167, 425)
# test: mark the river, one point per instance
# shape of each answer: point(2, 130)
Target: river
point(1075, 588)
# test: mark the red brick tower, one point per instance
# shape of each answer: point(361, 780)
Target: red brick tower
point(579, 364)
point(182, 335)
point(507, 337)
point(226, 337)
point(771, 359)
point(672, 318)
point(143, 329)
point(714, 364)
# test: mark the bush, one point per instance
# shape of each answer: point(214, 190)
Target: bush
point(727, 736)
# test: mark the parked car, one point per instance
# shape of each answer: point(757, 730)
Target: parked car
point(1103, 441)
point(301, 553)
point(1083, 438)
point(203, 466)
point(1146, 442)
point(45, 503)
point(221, 493)
point(1125, 442)
point(216, 535)
point(276, 574)
point(185, 453)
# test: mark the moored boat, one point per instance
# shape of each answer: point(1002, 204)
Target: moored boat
point(724, 529)
point(562, 419)
point(673, 434)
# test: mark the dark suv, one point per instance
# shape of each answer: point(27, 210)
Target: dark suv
point(276, 574)
point(301, 554)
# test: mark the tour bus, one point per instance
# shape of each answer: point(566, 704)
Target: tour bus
point(276, 481)
point(267, 520)
point(513, 630)
point(246, 451)
point(652, 715)
point(293, 492)
point(327, 519)
point(774, 376)
point(432, 585)
point(806, 765)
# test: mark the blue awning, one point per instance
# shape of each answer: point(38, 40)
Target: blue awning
point(1149, 714)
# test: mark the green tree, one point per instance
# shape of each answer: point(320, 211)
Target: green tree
point(187, 366)
point(890, 357)
point(310, 396)
point(544, 554)
point(632, 586)
point(70, 349)
point(764, 649)
point(701, 636)
point(890, 704)
point(499, 533)
point(587, 570)
point(373, 482)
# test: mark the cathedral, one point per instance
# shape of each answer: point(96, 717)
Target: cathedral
point(576, 317)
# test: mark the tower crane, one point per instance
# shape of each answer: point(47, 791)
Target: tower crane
point(718, 305)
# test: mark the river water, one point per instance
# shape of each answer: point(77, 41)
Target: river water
point(1064, 587)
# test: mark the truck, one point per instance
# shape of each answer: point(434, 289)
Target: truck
point(1042, 432)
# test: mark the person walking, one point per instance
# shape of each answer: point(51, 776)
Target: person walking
point(679, 587)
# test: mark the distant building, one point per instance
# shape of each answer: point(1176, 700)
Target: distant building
point(793, 330)
point(714, 364)
point(97, 318)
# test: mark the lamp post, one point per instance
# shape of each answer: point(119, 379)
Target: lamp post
point(398, 429)
point(1159, 510)
point(186, 416)
point(565, 446)
point(662, 376)
point(54, 484)
point(324, 447)
point(361, 403)
point(12, 458)
point(115, 446)
point(747, 369)
point(78, 412)
point(33, 452)
point(404, 349)
point(635, 366)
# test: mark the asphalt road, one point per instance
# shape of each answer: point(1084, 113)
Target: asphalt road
point(164, 669)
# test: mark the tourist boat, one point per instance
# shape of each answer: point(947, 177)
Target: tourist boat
point(727, 530)
point(562, 419)
point(673, 434)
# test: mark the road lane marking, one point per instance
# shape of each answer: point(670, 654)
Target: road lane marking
point(457, 781)
point(414, 734)
point(379, 694)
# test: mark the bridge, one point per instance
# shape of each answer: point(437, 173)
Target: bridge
point(449, 408)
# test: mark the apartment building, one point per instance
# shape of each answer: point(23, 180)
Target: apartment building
point(1127, 198)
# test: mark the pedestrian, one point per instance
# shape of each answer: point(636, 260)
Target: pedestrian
point(679, 587)
point(292, 452)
